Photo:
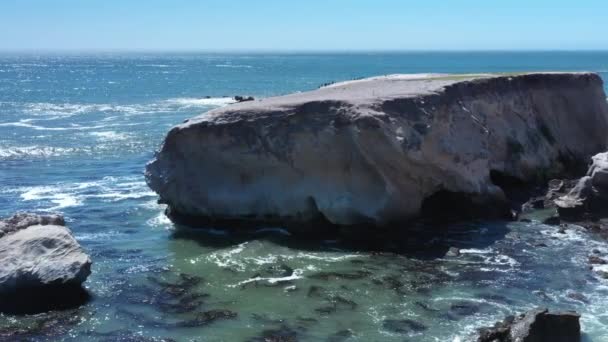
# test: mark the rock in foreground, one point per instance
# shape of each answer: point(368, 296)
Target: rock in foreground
point(39, 254)
point(381, 150)
point(535, 326)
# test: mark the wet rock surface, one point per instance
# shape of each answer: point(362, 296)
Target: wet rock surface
point(42, 266)
point(535, 326)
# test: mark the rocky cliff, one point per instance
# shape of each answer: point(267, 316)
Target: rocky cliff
point(380, 150)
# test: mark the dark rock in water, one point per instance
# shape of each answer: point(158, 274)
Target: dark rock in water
point(340, 336)
point(61, 265)
point(48, 326)
point(239, 98)
point(327, 276)
point(124, 336)
point(283, 334)
point(535, 326)
point(552, 221)
point(426, 307)
point(578, 297)
point(168, 293)
point(336, 303)
point(314, 291)
point(596, 260)
point(462, 309)
point(403, 326)
point(207, 317)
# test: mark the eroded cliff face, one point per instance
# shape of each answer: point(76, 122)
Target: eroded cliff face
point(372, 151)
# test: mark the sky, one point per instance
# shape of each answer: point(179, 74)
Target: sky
point(303, 25)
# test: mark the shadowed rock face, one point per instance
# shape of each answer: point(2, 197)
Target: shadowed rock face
point(372, 151)
point(535, 326)
point(39, 260)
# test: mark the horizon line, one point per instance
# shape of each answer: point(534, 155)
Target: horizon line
point(280, 51)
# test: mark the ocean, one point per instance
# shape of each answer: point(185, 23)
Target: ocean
point(76, 131)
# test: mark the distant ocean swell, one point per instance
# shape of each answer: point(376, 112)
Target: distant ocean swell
point(65, 195)
point(60, 110)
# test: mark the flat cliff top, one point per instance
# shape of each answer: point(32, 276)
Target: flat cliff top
point(374, 89)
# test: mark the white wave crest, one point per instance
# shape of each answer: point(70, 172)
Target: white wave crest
point(110, 136)
point(16, 152)
point(66, 195)
point(52, 111)
point(202, 102)
point(297, 274)
point(73, 127)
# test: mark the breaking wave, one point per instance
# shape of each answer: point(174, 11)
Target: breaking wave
point(17, 152)
point(63, 110)
point(65, 195)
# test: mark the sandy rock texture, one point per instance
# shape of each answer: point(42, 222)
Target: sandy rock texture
point(377, 151)
point(38, 252)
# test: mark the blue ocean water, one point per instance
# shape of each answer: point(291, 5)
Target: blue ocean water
point(77, 130)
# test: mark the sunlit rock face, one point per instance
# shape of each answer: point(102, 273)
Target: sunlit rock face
point(39, 253)
point(372, 151)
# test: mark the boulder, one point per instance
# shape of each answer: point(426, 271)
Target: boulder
point(39, 253)
point(381, 150)
point(590, 195)
point(599, 174)
point(535, 326)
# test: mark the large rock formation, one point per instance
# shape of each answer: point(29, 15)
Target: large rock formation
point(38, 253)
point(380, 150)
point(535, 326)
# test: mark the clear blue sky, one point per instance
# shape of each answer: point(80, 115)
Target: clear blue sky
point(303, 24)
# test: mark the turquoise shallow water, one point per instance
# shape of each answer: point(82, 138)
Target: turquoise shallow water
point(76, 132)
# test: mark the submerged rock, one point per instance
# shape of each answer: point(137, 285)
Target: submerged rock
point(403, 326)
point(535, 326)
point(380, 150)
point(39, 261)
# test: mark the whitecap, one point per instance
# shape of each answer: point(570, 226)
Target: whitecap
point(65, 195)
point(297, 274)
point(72, 127)
point(110, 135)
point(226, 258)
point(64, 110)
point(200, 102)
point(476, 251)
point(15, 152)
point(160, 220)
